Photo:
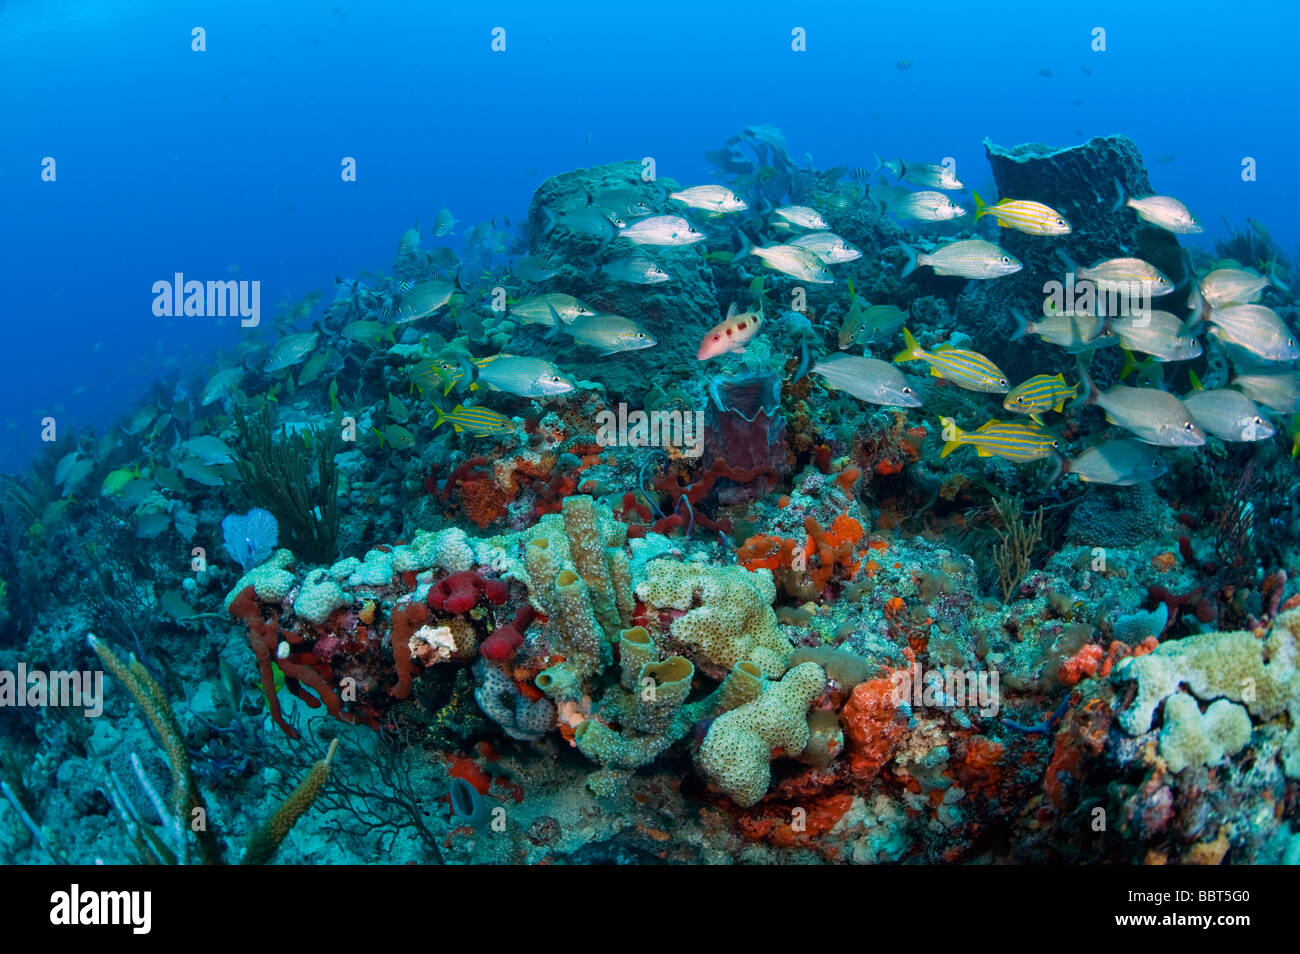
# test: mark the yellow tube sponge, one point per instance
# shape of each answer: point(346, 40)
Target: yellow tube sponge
point(620, 573)
point(540, 562)
point(736, 753)
point(729, 614)
point(743, 684)
point(661, 690)
point(581, 638)
point(587, 550)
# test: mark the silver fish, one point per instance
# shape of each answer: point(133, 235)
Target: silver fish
point(802, 216)
point(609, 334)
point(590, 221)
point(444, 223)
point(537, 310)
point(1121, 463)
point(622, 203)
point(1279, 390)
point(1162, 210)
point(924, 174)
point(795, 261)
point(291, 349)
point(1228, 414)
point(424, 299)
point(1159, 334)
point(1232, 286)
point(662, 230)
point(710, 198)
point(220, 385)
point(926, 207)
point(535, 268)
point(1075, 333)
point(969, 258)
point(525, 376)
point(209, 449)
point(867, 379)
point(1257, 329)
point(829, 247)
point(1154, 416)
point(1124, 274)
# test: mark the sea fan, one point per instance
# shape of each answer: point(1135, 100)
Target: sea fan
point(250, 538)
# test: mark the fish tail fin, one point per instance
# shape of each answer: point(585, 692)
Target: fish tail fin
point(1130, 363)
point(880, 163)
point(1070, 263)
point(910, 267)
point(380, 434)
point(1121, 197)
point(1088, 392)
point(548, 221)
point(953, 436)
point(442, 418)
point(1273, 279)
point(911, 348)
point(981, 207)
point(1022, 324)
point(1060, 467)
point(746, 246)
point(1038, 418)
point(1196, 382)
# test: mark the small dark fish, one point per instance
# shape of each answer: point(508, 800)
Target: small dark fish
point(904, 65)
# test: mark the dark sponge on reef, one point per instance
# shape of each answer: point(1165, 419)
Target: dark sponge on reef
point(1078, 182)
point(677, 313)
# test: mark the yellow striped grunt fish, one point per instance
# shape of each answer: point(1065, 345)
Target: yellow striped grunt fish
point(1023, 215)
point(479, 421)
point(1013, 440)
point(1040, 393)
point(967, 369)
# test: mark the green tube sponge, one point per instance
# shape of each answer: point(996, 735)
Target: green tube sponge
point(736, 753)
point(587, 550)
point(558, 682)
point(743, 684)
point(636, 647)
point(661, 690)
point(582, 640)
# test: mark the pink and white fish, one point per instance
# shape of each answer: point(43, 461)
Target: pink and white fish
point(732, 334)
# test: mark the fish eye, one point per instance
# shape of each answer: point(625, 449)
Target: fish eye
point(1187, 426)
point(1020, 400)
point(640, 334)
point(907, 390)
point(1257, 420)
point(1060, 221)
point(1056, 444)
point(1002, 382)
point(556, 379)
point(1006, 260)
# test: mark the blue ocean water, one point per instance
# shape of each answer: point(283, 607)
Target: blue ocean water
point(170, 160)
